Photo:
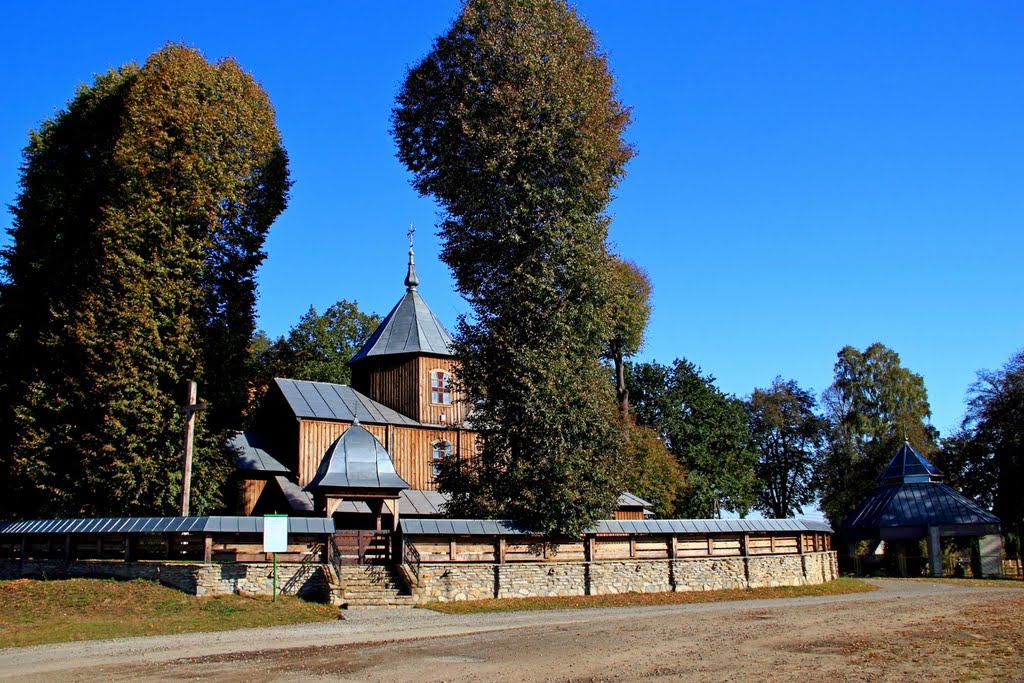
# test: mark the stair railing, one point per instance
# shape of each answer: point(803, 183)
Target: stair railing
point(334, 556)
point(307, 566)
point(411, 558)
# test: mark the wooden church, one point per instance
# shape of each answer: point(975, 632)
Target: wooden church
point(366, 454)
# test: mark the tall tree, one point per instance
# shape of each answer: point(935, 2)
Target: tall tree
point(513, 125)
point(787, 434)
point(872, 406)
point(986, 458)
point(705, 430)
point(629, 310)
point(140, 222)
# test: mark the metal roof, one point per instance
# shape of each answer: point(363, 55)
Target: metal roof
point(326, 401)
point(909, 466)
point(253, 455)
point(627, 499)
point(159, 525)
point(421, 503)
point(410, 327)
point(504, 527)
point(298, 499)
point(917, 504)
point(356, 460)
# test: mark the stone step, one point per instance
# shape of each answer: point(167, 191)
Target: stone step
point(405, 602)
point(372, 586)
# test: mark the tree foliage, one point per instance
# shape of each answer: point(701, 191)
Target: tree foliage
point(512, 124)
point(787, 435)
point(317, 348)
point(629, 309)
point(140, 222)
point(652, 472)
point(985, 459)
point(874, 403)
point(705, 429)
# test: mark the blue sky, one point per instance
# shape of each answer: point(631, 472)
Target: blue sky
point(809, 175)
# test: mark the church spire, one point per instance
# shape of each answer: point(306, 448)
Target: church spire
point(411, 280)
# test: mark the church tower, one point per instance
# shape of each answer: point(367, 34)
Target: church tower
point(408, 364)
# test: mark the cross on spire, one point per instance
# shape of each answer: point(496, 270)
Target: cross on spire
point(411, 280)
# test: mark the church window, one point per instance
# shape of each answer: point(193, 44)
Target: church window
point(442, 449)
point(440, 389)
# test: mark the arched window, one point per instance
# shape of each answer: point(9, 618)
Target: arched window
point(442, 449)
point(440, 391)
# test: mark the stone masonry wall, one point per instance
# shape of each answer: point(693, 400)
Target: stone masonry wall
point(465, 581)
point(311, 581)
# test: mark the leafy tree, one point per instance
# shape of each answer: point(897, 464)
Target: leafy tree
point(652, 472)
point(985, 459)
point(969, 466)
point(512, 124)
point(139, 225)
point(873, 404)
point(704, 429)
point(318, 348)
point(629, 310)
point(787, 435)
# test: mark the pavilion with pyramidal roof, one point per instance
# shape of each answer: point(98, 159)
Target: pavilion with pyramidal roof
point(912, 503)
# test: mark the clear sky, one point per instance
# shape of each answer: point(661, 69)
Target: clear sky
point(810, 174)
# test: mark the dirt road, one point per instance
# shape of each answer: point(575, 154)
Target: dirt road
point(905, 631)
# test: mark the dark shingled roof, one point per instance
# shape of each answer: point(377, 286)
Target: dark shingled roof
point(356, 460)
point(325, 401)
point(917, 504)
point(410, 327)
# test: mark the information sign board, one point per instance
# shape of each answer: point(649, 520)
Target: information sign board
point(275, 533)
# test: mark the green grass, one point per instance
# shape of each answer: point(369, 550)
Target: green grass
point(37, 612)
point(840, 586)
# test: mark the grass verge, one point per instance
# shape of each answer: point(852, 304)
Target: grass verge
point(37, 612)
point(840, 586)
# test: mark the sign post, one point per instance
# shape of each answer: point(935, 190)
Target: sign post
point(275, 540)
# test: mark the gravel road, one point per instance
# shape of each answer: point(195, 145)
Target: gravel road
point(907, 630)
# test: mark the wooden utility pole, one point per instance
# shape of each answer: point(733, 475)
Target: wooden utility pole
point(189, 410)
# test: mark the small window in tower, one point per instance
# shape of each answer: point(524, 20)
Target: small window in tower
point(442, 449)
point(440, 391)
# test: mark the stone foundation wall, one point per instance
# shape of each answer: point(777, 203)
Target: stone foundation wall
point(465, 581)
point(310, 581)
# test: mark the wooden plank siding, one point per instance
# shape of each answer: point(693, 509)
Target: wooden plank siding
point(403, 384)
point(428, 412)
point(249, 491)
point(411, 448)
point(604, 547)
point(390, 381)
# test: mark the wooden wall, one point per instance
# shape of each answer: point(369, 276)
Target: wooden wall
point(391, 381)
point(430, 413)
point(403, 384)
point(456, 548)
point(249, 491)
point(411, 448)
